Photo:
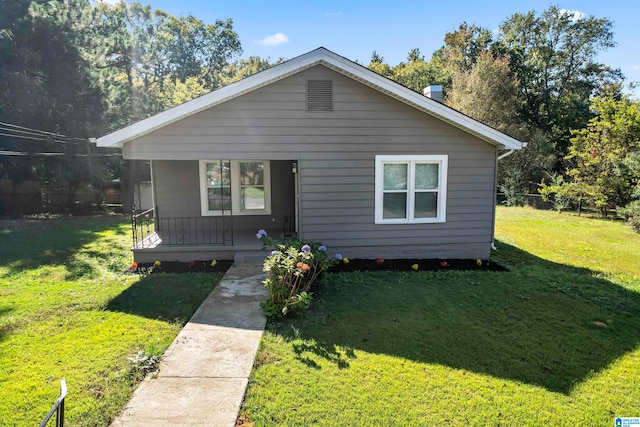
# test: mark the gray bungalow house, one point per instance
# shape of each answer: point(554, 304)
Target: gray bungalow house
point(320, 148)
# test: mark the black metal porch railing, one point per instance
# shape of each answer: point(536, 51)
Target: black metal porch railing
point(202, 230)
point(143, 228)
point(151, 229)
point(57, 408)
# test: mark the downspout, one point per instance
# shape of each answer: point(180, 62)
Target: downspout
point(495, 182)
point(503, 155)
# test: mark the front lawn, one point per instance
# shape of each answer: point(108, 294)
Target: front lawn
point(554, 341)
point(68, 310)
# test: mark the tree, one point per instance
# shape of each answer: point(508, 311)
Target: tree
point(463, 47)
point(602, 155)
point(553, 56)
point(137, 51)
point(46, 84)
point(460, 52)
point(488, 92)
point(243, 68)
point(378, 65)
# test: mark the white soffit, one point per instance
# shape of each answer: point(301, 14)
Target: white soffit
point(331, 60)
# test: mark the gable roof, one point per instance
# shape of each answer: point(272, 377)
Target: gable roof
point(320, 56)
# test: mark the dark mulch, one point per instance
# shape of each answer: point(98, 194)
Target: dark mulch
point(423, 265)
point(222, 265)
point(341, 267)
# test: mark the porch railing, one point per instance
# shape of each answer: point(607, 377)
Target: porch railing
point(202, 230)
point(150, 229)
point(58, 407)
point(143, 228)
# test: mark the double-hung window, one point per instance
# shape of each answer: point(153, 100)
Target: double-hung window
point(235, 187)
point(411, 189)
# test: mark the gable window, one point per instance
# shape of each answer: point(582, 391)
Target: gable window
point(235, 187)
point(411, 189)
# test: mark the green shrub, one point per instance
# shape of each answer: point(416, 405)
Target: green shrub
point(293, 268)
point(632, 213)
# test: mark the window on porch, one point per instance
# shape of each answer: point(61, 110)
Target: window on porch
point(235, 187)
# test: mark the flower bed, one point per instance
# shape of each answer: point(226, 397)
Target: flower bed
point(415, 265)
point(221, 265)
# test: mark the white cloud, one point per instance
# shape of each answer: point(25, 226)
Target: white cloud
point(274, 39)
point(333, 14)
point(574, 15)
point(635, 67)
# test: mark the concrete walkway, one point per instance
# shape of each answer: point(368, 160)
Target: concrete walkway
point(204, 373)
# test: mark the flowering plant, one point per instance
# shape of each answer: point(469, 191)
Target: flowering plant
point(293, 268)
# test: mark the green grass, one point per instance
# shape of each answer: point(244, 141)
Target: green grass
point(69, 310)
point(554, 341)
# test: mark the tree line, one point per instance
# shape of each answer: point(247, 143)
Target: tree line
point(82, 69)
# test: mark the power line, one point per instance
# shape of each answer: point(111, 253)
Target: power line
point(45, 139)
point(56, 137)
point(24, 153)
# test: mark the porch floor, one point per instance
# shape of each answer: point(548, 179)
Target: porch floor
point(154, 249)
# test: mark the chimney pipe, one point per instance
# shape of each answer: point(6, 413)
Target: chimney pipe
point(434, 92)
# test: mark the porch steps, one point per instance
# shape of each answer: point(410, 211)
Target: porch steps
point(250, 256)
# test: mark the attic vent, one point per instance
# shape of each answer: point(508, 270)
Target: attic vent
point(319, 95)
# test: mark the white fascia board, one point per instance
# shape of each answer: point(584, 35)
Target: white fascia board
point(295, 65)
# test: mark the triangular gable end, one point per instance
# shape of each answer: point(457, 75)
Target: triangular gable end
point(320, 56)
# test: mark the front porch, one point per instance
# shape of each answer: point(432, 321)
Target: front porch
point(159, 238)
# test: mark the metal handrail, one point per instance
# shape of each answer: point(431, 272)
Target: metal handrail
point(137, 215)
point(141, 224)
point(58, 407)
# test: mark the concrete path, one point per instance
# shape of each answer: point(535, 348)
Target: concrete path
point(204, 373)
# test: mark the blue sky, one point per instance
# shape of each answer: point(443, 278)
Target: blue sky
point(355, 28)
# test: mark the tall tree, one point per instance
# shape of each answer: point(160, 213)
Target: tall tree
point(553, 55)
point(378, 65)
point(460, 51)
point(488, 92)
point(417, 73)
point(46, 84)
point(138, 50)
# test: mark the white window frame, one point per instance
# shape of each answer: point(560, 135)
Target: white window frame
point(411, 160)
point(235, 189)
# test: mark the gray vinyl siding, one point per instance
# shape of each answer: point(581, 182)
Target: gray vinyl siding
point(336, 154)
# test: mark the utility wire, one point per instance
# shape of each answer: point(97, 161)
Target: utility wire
point(36, 132)
point(24, 153)
point(45, 139)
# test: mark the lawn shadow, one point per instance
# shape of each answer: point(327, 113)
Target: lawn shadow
point(168, 297)
point(541, 323)
point(51, 242)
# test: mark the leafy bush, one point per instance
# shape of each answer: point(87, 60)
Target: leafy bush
point(512, 193)
point(144, 361)
point(563, 193)
point(632, 213)
point(293, 268)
